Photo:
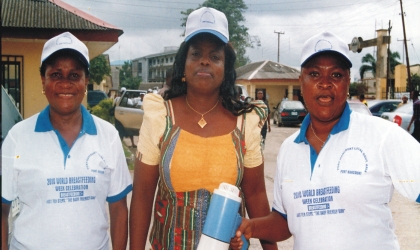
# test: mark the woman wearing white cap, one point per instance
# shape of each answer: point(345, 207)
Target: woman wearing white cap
point(197, 137)
point(336, 175)
point(64, 164)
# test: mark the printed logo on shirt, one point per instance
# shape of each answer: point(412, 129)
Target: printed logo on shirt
point(318, 202)
point(70, 189)
point(353, 161)
point(96, 163)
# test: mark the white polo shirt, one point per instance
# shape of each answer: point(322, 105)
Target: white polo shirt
point(63, 190)
point(339, 198)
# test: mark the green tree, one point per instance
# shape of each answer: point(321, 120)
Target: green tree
point(371, 66)
point(127, 79)
point(238, 33)
point(371, 63)
point(357, 89)
point(131, 83)
point(99, 69)
point(393, 60)
point(415, 82)
point(102, 110)
point(125, 70)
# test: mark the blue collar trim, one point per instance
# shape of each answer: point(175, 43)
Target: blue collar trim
point(341, 125)
point(43, 123)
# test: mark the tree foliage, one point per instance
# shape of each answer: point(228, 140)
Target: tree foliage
point(357, 89)
point(393, 56)
point(125, 70)
point(370, 66)
point(238, 33)
point(415, 82)
point(371, 63)
point(102, 110)
point(99, 69)
point(131, 83)
point(127, 79)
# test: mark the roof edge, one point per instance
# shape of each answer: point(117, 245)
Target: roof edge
point(45, 34)
point(83, 14)
point(257, 69)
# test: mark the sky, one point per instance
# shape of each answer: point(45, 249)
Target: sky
point(149, 26)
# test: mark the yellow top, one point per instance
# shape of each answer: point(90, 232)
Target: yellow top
point(200, 162)
point(197, 162)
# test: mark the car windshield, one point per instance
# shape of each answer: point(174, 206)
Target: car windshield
point(293, 105)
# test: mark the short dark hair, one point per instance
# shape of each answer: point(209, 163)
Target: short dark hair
point(228, 91)
point(62, 53)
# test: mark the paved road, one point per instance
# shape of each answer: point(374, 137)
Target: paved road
point(406, 213)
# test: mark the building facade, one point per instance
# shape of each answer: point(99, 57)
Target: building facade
point(276, 80)
point(152, 68)
point(26, 26)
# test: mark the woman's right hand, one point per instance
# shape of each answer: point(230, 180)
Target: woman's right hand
point(244, 229)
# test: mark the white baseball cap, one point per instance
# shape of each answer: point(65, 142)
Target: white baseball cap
point(66, 41)
point(207, 20)
point(322, 43)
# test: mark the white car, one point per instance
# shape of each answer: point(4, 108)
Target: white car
point(129, 113)
point(401, 116)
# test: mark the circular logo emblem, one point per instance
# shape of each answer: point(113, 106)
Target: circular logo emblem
point(322, 45)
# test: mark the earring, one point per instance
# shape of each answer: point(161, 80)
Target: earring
point(43, 92)
point(86, 92)
point(183, 78)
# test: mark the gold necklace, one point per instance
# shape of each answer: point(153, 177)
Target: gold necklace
point(201, 122)
point(313, 131)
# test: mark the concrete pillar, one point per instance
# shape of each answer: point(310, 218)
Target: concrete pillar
point(252, 91)
point(290, 92)
point(381, 59)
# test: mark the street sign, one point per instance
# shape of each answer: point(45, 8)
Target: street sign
point(355, 44)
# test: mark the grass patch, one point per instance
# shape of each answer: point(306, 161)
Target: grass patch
point(127, 153)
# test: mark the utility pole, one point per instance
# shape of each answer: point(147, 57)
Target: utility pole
point(402, 40)
point(406, 55)
point(388, 92)
point(278, 47)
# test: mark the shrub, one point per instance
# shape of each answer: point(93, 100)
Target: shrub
point(102, 110)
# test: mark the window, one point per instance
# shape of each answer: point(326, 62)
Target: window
point(12, 78)
point(139, 68)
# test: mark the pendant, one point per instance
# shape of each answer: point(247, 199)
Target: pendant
point(202, 122)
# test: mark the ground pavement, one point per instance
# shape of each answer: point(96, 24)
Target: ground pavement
point(406, 213)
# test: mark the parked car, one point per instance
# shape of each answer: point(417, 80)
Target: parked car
point(359, 107)
point(401, 116)
point(377, 107)
point(288, 113)
point(95, 96)
point(129, 112)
